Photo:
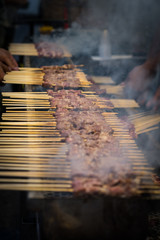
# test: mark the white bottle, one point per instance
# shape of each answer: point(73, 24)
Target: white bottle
point(105, 46)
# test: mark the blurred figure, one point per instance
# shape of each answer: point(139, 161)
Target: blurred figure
point(143, 82)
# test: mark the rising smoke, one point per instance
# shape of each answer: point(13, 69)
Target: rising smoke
point(131, 25)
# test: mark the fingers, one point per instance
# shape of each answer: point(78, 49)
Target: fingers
point(145, 97)
point(13, 61)
point(2, 73)
point(157, 106)
point(5, 67)
point(154, 102)
point(8, 59)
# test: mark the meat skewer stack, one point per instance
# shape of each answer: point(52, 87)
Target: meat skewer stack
point(104, 159)
point(42, 49)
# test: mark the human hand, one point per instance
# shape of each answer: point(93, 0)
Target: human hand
point(2, 73)
point(140, 84)
point(7, 59)
point(139, 80)
point(154, 102)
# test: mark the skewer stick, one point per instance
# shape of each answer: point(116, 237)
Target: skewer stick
point(50, 124)
point(34, 139)
point(28, 167)
point(35, 174)
point(27, 127)
point(29, 69)
point(22, 135)
point(147, 130)
point(31, 187)
point(27, 107)
point(58, 162)
point(58, 183)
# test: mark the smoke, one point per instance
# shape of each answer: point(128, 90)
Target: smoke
point(130, 25)
point(80, 41)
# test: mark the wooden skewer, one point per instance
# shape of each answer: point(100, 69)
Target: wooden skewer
point(25, 100)
point(29, 150)
point(31, 161)
point(34, 119)
point(22, 45)
point(150, 187)
point(25, 143)
point(31, 112)
point(35, 107)
point(100, 79)
point(36, 167)
point(35, 174)
point(51, 124)
point(25, 96)
point(142, 173)
point(56, 153)
point(29, 131)
point(58, 183)
point(22, 135)
point(26, 83)
point(20, 101)
point(34, 139)
point(34, 145)
point(9, 94)
point(25, 103)
point(23, 93)
point(31, 187)
point(133, 157)
point(147, 130)
point(25, 119)
point(28, 115)
point(26, 73)
point(34, 159)
point(23, 77)
point(27, 127)
point(139, 168)
point(151, 192)
point(29, 69)
point(139, 163)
